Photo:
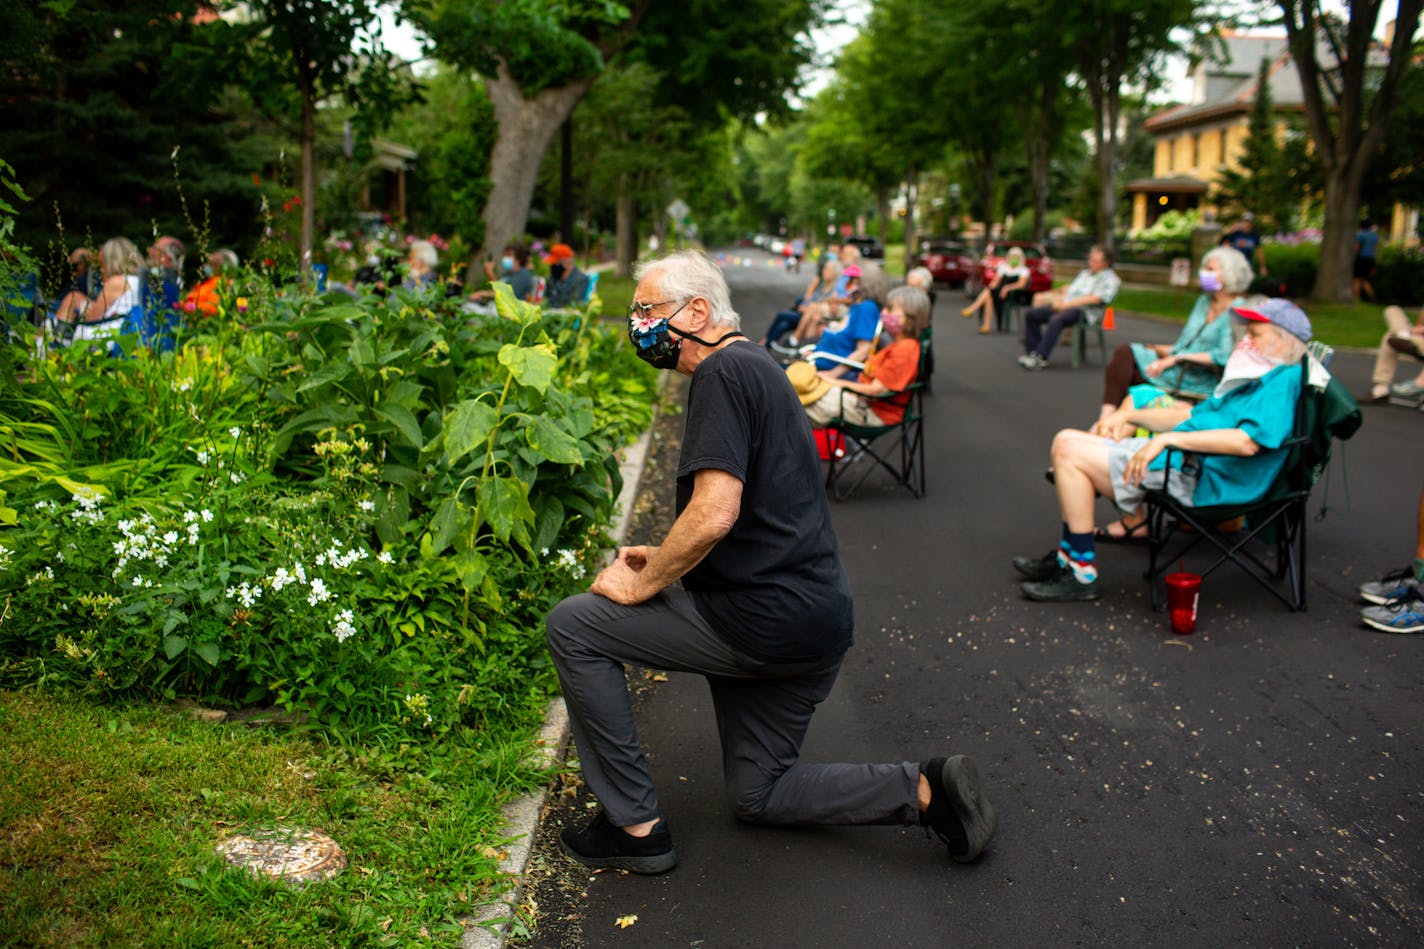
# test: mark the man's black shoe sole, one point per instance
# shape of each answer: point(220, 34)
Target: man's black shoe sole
point(980, 820)
point(648, 865)
point(1085, 595)
point(1036, 569)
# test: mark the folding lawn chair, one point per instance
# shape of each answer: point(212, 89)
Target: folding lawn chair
point(1324, 411)
point(856, 451)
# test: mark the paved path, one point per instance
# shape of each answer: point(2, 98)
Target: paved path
point(1258, 783)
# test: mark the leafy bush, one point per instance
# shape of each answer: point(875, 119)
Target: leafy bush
point(359, 510)
point(1296, 264)
point(1399, 275)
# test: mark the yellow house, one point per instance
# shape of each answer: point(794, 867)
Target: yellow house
point(1199, 139)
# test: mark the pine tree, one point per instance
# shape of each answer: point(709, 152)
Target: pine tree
point(1261, 182)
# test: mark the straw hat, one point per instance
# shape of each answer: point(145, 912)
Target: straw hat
point(809, 386)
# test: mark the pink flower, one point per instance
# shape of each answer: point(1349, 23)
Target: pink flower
point(645, 324)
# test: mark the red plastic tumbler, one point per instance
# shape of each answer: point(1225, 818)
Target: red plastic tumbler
point(1183, 591)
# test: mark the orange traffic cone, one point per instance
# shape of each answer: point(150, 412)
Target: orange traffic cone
point(1109, 323)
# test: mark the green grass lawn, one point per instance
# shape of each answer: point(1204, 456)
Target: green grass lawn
point(1342, 325)
point(109, 817)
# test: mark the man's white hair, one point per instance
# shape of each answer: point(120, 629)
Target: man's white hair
point(691, 273)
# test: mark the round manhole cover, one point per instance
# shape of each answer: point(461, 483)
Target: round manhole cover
point(294, 854)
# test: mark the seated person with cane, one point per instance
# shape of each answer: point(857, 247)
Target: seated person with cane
point(1234, 443)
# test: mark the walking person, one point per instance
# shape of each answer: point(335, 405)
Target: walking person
point(764, 609)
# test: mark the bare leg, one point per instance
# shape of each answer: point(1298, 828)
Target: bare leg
point(69, 307)
point(1080, 469)
point(988, 311)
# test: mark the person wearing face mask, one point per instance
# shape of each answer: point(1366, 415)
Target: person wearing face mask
point(888, 370)
point(748, 590)
point(567, 284)
point(1191, 366)
point(514, 270)
point(216, 272)
point(1235, 439)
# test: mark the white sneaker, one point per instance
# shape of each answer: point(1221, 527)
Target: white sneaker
point(1027, 360)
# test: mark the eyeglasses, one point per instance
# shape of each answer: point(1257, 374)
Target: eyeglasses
point(642, 310)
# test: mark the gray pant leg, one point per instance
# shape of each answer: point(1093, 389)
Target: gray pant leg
point(763, 721)
point(763, 712)
point(591, 638)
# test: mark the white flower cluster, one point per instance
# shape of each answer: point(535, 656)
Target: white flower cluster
point(88, 500)
point(247, 594)
point(182, 385)
point(4, 556)
point(203, 456)
point(142, 544)
point(569, 561)
point(344, 628)
point(46, 574)
point(340, 559)
point(367, 506)
point(385, 557)
point(319, 592)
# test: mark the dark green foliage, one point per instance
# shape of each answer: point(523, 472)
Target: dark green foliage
point(1272, 177)
point(1399, 275)
point(97, 96)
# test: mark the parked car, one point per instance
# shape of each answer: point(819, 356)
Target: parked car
point(870, 247)
point(1039, 266)
point(948, 261)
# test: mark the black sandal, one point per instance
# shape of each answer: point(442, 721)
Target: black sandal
point(1136, 534)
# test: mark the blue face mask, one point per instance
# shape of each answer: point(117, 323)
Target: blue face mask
point(506, 263)
point(659, 343)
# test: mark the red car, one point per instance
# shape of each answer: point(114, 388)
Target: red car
point(1039, 266)
point(948, 261)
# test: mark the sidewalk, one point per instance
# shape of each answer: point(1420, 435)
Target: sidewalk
point(1255, 783)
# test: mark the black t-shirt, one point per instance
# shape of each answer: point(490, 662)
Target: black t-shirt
point(774, 587)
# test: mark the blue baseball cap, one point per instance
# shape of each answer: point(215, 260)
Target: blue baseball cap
point(1282, 313)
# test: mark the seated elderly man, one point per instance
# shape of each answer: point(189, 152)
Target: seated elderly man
point(1086, 298)
point(1234, 443)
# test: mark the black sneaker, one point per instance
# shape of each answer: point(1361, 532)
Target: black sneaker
point(959, 813)
point(1039, 568)
point(603, 846)
point(1062, 588)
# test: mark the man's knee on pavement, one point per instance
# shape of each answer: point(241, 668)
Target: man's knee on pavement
point(748, 800)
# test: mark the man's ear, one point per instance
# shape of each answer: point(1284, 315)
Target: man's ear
point(701, 313)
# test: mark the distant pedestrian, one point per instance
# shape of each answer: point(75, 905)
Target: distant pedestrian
point(1244, 238)
point(1366, 246)
point(764, 610)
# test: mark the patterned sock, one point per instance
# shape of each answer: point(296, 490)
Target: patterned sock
point(1419, 570)
point(1082, 555)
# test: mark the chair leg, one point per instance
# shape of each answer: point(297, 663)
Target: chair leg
point(1102, 344)
point(1080, 344)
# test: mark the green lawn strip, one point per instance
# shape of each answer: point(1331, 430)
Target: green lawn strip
point(109, 816)
point(616, 293)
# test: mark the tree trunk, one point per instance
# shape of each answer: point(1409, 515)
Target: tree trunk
point(566, 182)
point(1333, 281)
point(627, 229)
point(526, 127)
point(1039, 145)
point(1107, 114)
point(882, 210)
point(306, 83)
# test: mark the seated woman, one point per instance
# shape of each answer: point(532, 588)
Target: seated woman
point(845, 345)
point(890, 370)
point(1010, 274)
point(1235, 439)
point(830, 308)
point(1191, 366)
point(820, 288)
point(120, 292)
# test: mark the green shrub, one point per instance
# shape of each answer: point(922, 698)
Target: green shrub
point(358, 510)
point(1296, 264)
point(1399, 275)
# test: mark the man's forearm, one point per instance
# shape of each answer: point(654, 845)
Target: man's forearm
point(1158, 420)
point(1215, 441)
point(697, 530)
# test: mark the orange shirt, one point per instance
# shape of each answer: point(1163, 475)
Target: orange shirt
point(895, 366)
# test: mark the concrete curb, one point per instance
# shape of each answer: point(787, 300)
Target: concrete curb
point(489, 927)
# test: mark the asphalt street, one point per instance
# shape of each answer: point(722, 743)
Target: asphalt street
point(1258, 783)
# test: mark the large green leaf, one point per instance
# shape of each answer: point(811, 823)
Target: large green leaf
point(531, 366)
point(504, 505)
point(548, 438)
point(331, 372)
point(466, 427)
point(445, 524)
point(404, 421)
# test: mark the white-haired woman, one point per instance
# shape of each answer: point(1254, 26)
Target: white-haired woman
point(422, 261)
point(120, 292)
point(1192, 365)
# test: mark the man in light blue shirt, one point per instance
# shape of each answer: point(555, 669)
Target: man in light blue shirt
point(1053, 312)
